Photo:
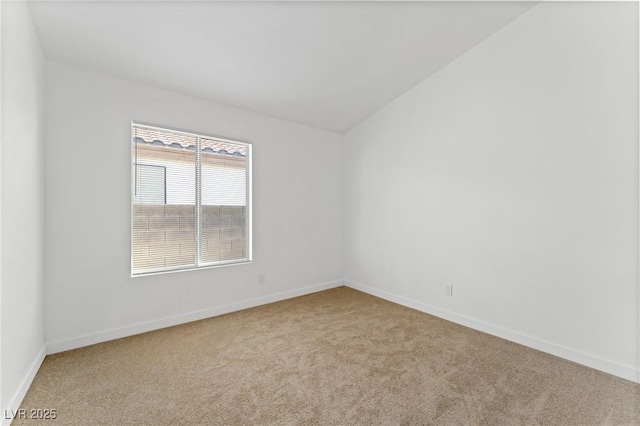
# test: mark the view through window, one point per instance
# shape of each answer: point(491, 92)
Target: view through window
point(190, 200)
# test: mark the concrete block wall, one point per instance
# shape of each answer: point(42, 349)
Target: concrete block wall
point(223, 233)
point(164, 235)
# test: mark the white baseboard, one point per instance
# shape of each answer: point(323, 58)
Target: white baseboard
point(629, 373)
point(16, 399)
point(117, 333)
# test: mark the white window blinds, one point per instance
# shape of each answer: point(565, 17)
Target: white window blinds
point(190, 200)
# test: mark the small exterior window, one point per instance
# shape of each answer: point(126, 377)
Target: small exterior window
point(191, 200)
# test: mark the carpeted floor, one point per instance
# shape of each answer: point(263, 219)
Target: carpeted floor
point(339, 357)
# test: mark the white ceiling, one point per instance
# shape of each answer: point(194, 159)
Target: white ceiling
point(325, 64)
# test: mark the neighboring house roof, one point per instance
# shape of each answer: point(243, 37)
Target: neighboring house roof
point(179, 140)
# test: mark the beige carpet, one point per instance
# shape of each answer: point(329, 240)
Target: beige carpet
point(339, 357)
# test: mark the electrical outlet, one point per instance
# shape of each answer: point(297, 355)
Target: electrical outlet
point(448, 290)
point(262, 279)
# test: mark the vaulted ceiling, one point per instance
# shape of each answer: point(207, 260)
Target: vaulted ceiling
point(324, 64)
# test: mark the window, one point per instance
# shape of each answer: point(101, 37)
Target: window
point(154, 190)
point(191, 200)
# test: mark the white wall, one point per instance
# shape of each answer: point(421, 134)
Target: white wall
point(174, 182)
point(89, 293)
point(22, 204)
point(512, 173)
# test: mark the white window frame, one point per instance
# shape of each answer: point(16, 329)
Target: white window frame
point(248, 206)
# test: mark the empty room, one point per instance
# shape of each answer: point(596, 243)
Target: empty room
point(319, 213)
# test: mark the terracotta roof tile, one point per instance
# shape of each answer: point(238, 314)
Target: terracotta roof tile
point(179, 140)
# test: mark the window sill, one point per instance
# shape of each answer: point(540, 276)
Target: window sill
point(190, 268)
